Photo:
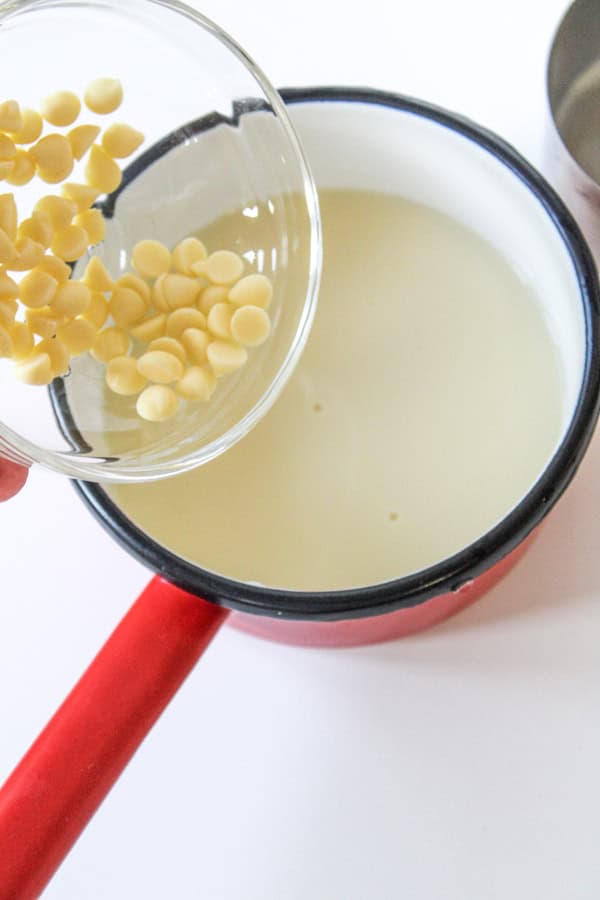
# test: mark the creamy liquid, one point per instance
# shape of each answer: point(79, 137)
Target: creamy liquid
point(426, 403)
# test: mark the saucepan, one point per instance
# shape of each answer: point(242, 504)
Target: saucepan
point(365, 140)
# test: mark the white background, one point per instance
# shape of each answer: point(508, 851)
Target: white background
point(462, 764)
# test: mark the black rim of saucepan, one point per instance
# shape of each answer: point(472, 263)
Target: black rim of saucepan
point(450, 574)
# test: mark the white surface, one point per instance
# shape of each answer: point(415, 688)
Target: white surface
point(457, 765)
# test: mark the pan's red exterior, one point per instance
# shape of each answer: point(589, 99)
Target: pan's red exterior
point(374, 629)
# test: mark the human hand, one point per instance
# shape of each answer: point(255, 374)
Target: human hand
point(12, 478)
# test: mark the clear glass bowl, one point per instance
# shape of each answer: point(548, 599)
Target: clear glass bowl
point(218, 143)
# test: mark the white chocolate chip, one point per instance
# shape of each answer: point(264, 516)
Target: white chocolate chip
point(103, 95)
point(197, 383)
point(8, 215)
point(195, 343)
point(122, 376)
point(121, 141)
point(150, 329)
point(185, 317)
point(54, 158)
point(59, 210)
point(126, 306)
point(8, 252)
point(93, 223)
point(219, 320)
point(157, 403)
point(58, 354)
point(8, 311)
point(22, 339)
point(160, 367)
point(110, 343)
point(82, 195)
point(210, 296)
point(97, 311)
point(56, 267)
point(225, 357)
point(252, 290)
point(179, 291)
point(221, 267)
point(70, 243)
point(42, 321)
point(169, 345)
point(72, 299)
point(250, 326)
point(77, 335)
point(151, 258)
point(8, 151)
point(9, 289)
point(28, 255)
point(96, 275)
point(10, 116)
point(60, 108)
point(37, 289)
point(31, 127)
point(36, 370)
point(102, 172)
point(23, 169)
point(158, 294)
point(81, 139)
point(38, 227)
point(6, 342)
point(129, 280)
point(187, 253)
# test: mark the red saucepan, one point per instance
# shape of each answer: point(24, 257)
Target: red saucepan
point(359, 139)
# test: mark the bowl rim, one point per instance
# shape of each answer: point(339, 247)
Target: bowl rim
point(84, 463)
point(450, 574)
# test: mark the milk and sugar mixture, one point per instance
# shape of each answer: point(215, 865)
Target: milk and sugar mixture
point(425, 405)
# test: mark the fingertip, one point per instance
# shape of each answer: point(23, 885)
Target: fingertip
point(12, 478)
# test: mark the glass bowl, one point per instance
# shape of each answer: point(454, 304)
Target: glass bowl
point(220, 160)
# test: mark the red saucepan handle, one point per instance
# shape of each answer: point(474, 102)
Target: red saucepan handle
point(59, 784)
